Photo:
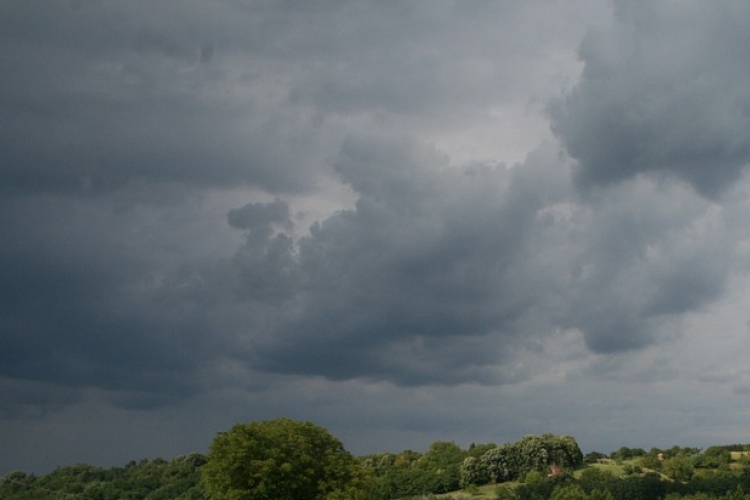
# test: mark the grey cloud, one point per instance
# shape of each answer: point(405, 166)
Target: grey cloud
point(404, 65)
point(439, 272)
point(425, 263)
point(156, 158)
point(104, 96)
point(643, 260)
point(33, 400)
point(96, 99)
point(81, 306)
point(438, 275)
point(255, 215)
point(661, 93)
point(146, 41)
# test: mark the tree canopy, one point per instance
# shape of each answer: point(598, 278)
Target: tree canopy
point(280, 459)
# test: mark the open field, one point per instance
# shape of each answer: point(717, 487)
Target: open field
point(484, 492)
point(606, 465)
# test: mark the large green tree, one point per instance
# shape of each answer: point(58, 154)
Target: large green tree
point(531, 453)
point(280, 459)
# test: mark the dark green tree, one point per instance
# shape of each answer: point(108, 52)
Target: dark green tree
point(569, 492)
point(625, 453)
point(280, 459)
point(440, 467)
point(678, 468)
point(713, 458)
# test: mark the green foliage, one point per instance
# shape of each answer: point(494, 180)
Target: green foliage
point(600, 495)
point(680, 451)
point(569, 492)
point(678, 468)
point(532, 453)
point(471, 473)
point(531, 477)
point(158, 479)
point(714, 457)
point(625, 453)
point(575, 492)
point(593, 457)
point(288, 460)
point(650, 462)
point(503, 492)
point(477, 450)
point(594, 478)
point(542, 490)
point(280, 459)
point(409, 473)
point(440, 467)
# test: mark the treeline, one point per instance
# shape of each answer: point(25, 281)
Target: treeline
point(598, 484)
point(678, 463)
point(285, 459)
point(446, 467)
point(443, 468)
point(158, 479)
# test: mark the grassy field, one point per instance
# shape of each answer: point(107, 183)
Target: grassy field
point(484, 492)
point(606, 465)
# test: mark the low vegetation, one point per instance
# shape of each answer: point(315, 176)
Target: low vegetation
point(288, 460)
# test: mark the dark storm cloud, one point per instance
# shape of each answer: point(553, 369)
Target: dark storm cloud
point(431, 278)
point(417, 60)
point(439, 273)
point(252, 206)
point(256, 215)
point(424, 260)
point(81, 306)
point(97, 98)
point(662, 92)
point(643, 261)
point(31, 400)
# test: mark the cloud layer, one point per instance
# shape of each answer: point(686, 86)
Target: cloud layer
point(441, 220)
point(661, 92)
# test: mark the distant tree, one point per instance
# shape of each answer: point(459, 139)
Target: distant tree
point(680, 451)
point(594, 479)
point(157, 479)
point(625, 453)
point(678, 468)
point(714, 457)
point(531, 453)
point(569, 492)
point(650, 462)
point(280, 459)
point(499, 464)
point(439, 469)
point(593, 457)
point(472, 473)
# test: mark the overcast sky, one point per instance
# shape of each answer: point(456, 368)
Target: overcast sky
point(404, 221)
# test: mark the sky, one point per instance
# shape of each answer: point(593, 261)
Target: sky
point(406, 222)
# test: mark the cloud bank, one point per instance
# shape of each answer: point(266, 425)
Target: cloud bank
point(438, 221)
